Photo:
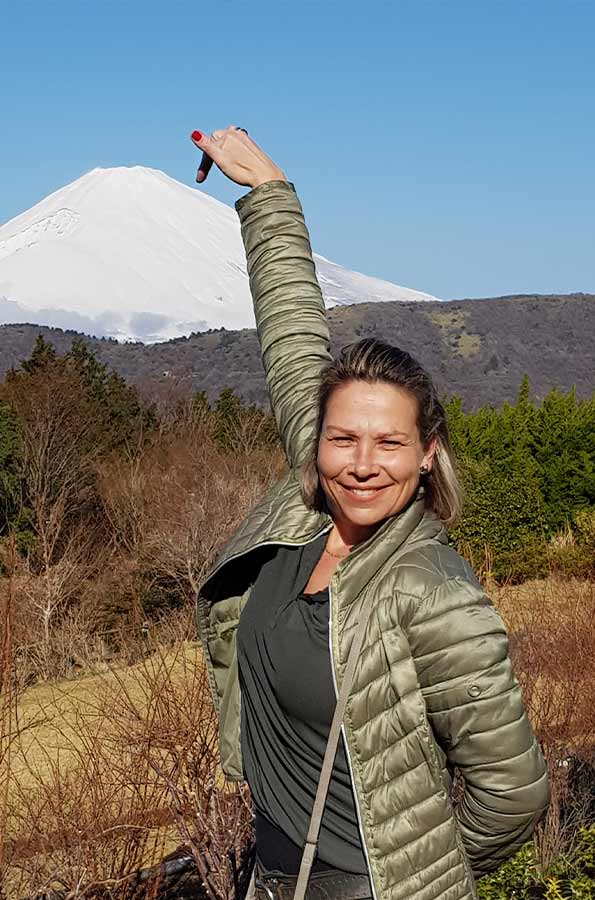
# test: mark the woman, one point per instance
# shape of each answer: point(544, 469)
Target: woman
point(363, 509)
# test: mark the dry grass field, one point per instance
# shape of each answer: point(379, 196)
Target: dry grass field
point(108, 772)
point(552, 627)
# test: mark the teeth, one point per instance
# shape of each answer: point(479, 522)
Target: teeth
point(362, 492)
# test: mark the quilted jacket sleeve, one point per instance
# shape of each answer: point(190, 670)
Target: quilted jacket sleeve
point(475, 709)
point(289, 310)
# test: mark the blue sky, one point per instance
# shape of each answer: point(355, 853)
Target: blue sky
point(445, 146)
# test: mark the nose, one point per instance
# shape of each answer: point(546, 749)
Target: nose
point(363, 464)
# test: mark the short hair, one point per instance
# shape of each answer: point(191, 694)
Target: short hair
point(375, 361)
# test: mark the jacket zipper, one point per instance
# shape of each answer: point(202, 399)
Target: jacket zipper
point(347, 753)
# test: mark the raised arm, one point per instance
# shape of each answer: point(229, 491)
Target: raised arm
point(289, 310)
point(475, 709)
point(288, 305)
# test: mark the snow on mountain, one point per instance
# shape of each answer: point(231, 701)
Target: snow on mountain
point(133, 254)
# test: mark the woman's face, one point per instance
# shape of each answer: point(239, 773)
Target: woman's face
point(369, 455)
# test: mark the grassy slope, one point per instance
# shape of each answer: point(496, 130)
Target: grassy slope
point(81, 795)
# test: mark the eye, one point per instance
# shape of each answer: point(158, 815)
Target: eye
point(392, 444)
point(341, 439)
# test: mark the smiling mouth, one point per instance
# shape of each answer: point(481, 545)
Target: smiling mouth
point(362, 493)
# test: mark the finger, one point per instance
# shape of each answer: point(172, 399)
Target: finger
point(204, 142)
point(208, 146)
point(206, 164)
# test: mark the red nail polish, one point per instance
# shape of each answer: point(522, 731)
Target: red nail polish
point(196, 136)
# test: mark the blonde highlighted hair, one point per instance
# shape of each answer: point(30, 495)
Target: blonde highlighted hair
point(374, 361)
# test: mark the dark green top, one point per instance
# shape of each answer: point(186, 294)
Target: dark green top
point(288, 701)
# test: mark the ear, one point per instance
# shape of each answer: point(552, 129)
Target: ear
point(429, 454)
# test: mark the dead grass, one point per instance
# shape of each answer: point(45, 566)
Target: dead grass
point(552, 636)
point(521, 603)
point(468, 345)
point(61, 709)
point(452, 326)
point(110, 772)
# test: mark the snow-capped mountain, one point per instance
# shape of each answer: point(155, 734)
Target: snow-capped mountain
point(133, 254)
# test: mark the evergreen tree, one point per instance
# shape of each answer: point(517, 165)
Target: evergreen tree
point(502, 516)
point(240, 428)
point(121, 420)
point(200, 408)
point(43, 358)
point(115, 416)
point(10, 467)
point(227, 419)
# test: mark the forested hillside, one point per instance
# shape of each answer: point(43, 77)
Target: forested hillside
point(478, 350)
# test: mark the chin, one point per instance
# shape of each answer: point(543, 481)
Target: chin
point(365, 516)
point(370, 515)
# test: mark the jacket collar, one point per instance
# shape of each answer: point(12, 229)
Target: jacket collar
point(401, 532)
point(281, 517)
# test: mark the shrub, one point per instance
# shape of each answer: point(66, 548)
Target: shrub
point(502, 516)
point(570, 877)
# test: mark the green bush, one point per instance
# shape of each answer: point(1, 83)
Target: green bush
point(503, 518)
point(528, 470)
point(10, 456)
point(584, 528)
point(571, 877)
point(238, 428)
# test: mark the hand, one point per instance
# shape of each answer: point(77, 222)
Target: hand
point(237, 156)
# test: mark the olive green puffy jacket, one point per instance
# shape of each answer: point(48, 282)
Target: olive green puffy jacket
point(433, 688)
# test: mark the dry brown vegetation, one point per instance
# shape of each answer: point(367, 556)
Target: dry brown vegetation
point(107, 735)
point(99, 592)
point(104, 774)
point(552, 635)
point(109, 773)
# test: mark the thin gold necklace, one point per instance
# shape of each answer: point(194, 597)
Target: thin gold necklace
point(336, 555)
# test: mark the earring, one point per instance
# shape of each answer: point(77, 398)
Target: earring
point(423, 470)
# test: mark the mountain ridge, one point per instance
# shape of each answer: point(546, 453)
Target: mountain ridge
point(478, 349)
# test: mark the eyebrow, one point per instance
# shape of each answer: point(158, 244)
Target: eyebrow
point(386, 434)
